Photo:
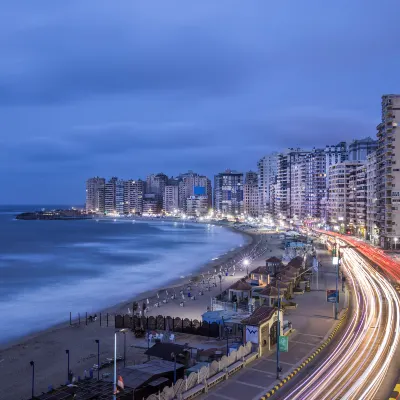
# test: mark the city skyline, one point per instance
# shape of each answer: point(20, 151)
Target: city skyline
point(205, 87)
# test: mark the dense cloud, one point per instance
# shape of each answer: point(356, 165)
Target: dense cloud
point(129, 88)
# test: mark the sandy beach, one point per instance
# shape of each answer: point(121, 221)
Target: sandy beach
point(47, 348)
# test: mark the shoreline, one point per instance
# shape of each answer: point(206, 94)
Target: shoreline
point(122, 306)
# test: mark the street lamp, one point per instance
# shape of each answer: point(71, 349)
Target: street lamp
point(246, 263)
point(173, 355)
point(220, 283)
point(278, 334)
point(98, 358)
point(67, 352)
point(33, 377)
point(115, 361)
point(395, 243)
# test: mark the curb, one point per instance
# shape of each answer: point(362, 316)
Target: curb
point(395, 393)
point(308, 360)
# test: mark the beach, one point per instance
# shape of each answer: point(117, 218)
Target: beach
point(47, 348)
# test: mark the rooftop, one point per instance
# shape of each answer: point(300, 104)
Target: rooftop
point(241, 285)
point(262, 314)
point(273, 260)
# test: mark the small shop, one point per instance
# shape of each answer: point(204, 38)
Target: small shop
point(261, 328)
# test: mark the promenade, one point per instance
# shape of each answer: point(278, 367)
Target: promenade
point(312, 320)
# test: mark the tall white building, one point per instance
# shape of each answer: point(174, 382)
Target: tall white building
point(133, 196)
point(228, 193)
point(284, 196)
point(119, 196)
point(197, 206)
point(171, 198)
point(388, 172)
point(298, 206)
point(95, 192)
point(343, 196)
point(251, 192)
point(372, 198)
point(267, 171)
point(193, 184)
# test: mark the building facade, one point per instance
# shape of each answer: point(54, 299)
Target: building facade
point(372, 233)
point(360, 149)
point(110, 199)
point(228, 193)
point(250, 193)
point(197, 206)
point(342, 196)
point(388, 173)
point(284, 196)
point(171, 199)
point(267, 171)
point(133, 196)
point(95, 195)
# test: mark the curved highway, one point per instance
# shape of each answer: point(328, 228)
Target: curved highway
point(356, 367)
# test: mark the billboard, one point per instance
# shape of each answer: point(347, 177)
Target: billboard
point(199, 191)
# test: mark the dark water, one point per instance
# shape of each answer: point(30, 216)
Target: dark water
point(49, 268)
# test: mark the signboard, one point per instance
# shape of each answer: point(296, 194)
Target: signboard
point(252, 334)
point(335, 260)
point(332, 295)
point(283, 344)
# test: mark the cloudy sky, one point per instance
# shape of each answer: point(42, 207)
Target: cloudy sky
point(127, 88)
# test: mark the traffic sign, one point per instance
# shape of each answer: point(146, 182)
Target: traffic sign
point(332, 295)
point(283, 344)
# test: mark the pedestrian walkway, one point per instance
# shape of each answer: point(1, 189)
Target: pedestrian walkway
point(312, 320)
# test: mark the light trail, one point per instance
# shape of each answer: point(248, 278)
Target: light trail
point(356, 367)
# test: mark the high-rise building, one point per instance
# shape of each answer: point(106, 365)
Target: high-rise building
point(193, 184)
point(251, 191)
point(110, 190)
point(342, 201)
point(197, 206)
point(372, 198)
point(388, 173)
point(267, 171)
point(360, 149)
point(228, 193)
point(284, 193)
point(133, 196)
point(315, 183)
point(95, 192)
point(334, 154)
point(298, 206)
point(119, 196)
point(171, 198)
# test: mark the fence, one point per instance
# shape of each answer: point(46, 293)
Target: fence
point(206, 377)
point(182, 325)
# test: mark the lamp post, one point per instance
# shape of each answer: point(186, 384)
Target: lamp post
point(246, 264)
point(124, 349)
point(67, 352)
point(278, 333)
point(173, 355)
point(115, 362)
point(337, 281)
point(220, 283)
point(395, 243)
point(98, 358)
point(227, 340)
point(33, 377)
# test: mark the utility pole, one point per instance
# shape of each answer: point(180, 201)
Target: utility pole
point(278, 333)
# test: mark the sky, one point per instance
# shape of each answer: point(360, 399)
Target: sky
point(128, 88)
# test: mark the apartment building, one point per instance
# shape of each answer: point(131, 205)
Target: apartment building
point(342, 201)
point(360, 149)
point(228, 193)
point(388, 173)
point(197, 206)
point(267, 171)
point(284, 195)
point(372, 233)
point(251, 192)
point(95, 194)
point(133, 196)
point(171, 199)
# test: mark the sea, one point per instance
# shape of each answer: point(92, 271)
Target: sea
point(51, 268)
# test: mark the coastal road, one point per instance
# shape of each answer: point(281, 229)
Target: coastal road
point(356, 366)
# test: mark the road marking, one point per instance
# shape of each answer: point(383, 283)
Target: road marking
point(251, 384)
